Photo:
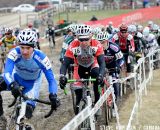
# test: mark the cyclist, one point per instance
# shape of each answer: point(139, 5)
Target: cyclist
point(16, 30)
point(140, 43)
point(24, 66)
point(8, 41)
point(114, 61)
point(68, 39)
point(88, 55)
point(30, 26)
point(51, 34)
point(126, 43)
point(110, 27)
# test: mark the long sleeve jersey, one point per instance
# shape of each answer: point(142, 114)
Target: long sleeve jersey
point(29, 69)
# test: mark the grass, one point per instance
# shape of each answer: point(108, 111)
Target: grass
point(86, 16)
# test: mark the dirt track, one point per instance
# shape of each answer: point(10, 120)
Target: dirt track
point(65, 112)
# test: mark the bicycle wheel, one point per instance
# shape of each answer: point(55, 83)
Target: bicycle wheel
point(73, 98)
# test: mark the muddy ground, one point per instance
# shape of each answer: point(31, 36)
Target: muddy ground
point(65, 112)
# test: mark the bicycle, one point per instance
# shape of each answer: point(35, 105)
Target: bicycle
point(86, 95)
point(17, 119)
point(108, 105)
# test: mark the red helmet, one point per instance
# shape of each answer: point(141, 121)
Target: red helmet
point(30, 25)
point(123, 28)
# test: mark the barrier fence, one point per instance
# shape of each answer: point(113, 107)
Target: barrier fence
point(140, 78)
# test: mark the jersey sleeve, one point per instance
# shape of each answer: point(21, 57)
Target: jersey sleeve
point(69, 51)
point(9, 66)
point(99, 49)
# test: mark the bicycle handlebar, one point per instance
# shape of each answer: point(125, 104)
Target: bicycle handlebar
point(80, 80)
point(36, 100)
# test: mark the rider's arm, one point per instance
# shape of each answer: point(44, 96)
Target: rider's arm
point(100, 59)
point(65, 65)
point(9, 66)
point(68, 59)
point(118, 54)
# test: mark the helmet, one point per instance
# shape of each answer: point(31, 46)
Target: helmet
point(8, 31)
point(110, 23)
point(132, 28)
point(27, 37)
point(155, 27)
point(84, 31)
point(140, 28)
point(123, 28)
point(100, 36)
point(105, 36)
point(146, 31)
point(150, 22)
point(97, 30)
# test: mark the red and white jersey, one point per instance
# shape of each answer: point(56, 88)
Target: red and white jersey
point(85, 56)
point(123, 41)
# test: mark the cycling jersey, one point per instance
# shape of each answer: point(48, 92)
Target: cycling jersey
point(28, 71)
point(66, 43)
point(124, 42)
point(84, 56)
point(113, 56)
point(91, 56)
point(9, 43)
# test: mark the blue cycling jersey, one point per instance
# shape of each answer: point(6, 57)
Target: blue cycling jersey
point(27, 71)
point(113, 56)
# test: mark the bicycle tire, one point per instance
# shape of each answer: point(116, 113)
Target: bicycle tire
point(73, 99)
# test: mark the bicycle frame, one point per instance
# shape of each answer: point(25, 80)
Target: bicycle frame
point(17, 120)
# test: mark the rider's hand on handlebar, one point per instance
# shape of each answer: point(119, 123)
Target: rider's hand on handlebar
point(53, 99)
point(15, 89)
point(62, 81)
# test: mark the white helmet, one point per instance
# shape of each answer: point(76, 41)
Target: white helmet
point(132, 28)
point(84, 31)
point(139, 28)
point(102, 36)
point(146, 31)
point(110, 23)
point(27, 37)
point(8, 30)
point(97, 30)
point(150, 23)
point(155, 27)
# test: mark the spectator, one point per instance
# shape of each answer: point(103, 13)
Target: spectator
point(145, 3)
point(157, 2)
point(94, 18)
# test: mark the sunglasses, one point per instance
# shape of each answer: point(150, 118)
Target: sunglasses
point(123, 32)
point(84, 39)
point(8, 33)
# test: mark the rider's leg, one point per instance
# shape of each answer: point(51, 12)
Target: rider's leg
point(94, 74)
point(32, 92)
